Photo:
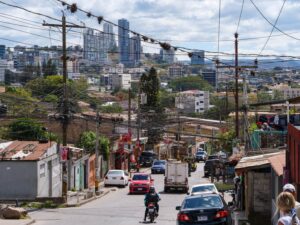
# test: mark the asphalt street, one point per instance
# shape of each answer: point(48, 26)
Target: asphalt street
point(119, 208)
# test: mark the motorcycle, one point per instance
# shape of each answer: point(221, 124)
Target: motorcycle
point(152, 212)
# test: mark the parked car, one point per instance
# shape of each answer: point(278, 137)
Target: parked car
point(208, 164)
point(158, 166)
point(116, 177)
point(176, 176)
point(213, 157)
point(147, 158)
point(200, 188)
point(201, 156)
point(206, 208)
point(140, 183)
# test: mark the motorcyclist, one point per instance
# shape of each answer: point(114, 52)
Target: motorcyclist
point(153, 197)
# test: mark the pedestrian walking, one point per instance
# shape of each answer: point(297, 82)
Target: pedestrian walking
point(291, 189)
point(285, 205)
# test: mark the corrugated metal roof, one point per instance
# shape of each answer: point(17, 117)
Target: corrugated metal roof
point(255, 161)
point(278, 163)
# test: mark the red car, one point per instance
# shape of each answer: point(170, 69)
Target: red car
point(140, 183)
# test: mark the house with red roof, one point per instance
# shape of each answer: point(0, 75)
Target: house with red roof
point(30, 170)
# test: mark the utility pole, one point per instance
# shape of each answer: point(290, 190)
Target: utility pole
point(97, 169)
point(236, 86)
point(65, 114)
point(237, 69)
point(129, 111)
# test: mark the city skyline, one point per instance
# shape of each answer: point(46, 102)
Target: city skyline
point(192, 25)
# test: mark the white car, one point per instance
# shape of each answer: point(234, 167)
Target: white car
point(116, 178)
point(200, 188)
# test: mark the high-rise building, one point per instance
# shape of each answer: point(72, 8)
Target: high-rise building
point(2, 51)
point(94, 48)
point(109, 38)
point(123, 33)
point(135, 51)
point(211, 77)
point(198, 58)
point(167, 56)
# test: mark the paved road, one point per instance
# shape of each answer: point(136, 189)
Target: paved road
point(118, 208)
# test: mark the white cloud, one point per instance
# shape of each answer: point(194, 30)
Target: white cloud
point(188, 23)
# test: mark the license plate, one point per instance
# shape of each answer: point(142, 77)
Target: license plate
point(140, 189)
point(151, 210)
point(202, 218)
point(114, 178)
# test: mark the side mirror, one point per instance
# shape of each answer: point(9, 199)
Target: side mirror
point(151, 179)
point(178, 207)
point(188, 193)
point(129, 179)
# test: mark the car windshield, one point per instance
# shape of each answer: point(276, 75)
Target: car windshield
point(115, 172)
point(203, 188)
point(157, 163)
point(200, 153)
point(203, 202)
point(213, 157)
point(140, 177)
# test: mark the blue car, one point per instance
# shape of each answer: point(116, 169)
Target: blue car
point(158, 166)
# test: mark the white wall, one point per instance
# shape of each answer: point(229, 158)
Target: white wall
point(43, 174)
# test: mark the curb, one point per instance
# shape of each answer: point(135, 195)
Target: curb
point(31, 222)
point(89, 200)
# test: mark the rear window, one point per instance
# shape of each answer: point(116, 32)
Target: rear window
point(200, 153)
point(114, 172)
point(147, 154)
point(156, 163)
point(203, 202)
point(140, 177)
point(203, 188)
point(213, 157)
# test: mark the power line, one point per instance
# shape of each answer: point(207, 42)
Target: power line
point(264, 46)
point(273, 25)
point(242, 8)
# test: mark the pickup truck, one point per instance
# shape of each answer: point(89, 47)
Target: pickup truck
point(176, 176)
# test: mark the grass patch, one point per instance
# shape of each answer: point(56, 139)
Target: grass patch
point(224, 187)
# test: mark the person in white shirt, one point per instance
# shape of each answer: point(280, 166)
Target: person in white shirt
point(285, 204)
point(291, 189)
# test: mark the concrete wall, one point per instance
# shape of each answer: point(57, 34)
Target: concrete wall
point(261, 192)
point(18, 180)
point(49, 172)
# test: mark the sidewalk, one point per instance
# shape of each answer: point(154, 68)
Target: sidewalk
point(16, 222)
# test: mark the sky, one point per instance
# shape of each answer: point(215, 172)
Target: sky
point(187, 23)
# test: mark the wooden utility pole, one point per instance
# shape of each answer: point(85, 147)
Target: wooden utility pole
point(236, 86)
point(65, 114)
point(97, 169)
point(237, 69)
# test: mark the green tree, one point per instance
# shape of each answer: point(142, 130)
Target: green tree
point(190, 83)
point(152, 112)
point(87, 141)
point(26, 129)
point(277, 95)
point(263, 97)
point(49, 68)
point(167, 99)
point(114, 108)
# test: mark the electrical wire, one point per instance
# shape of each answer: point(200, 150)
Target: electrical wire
point(242, 8)
point(260, 12)
point(265, 45)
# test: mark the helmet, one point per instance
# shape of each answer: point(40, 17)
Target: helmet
point(152, 189)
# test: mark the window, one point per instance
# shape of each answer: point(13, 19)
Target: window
point(201, 109)
point(197, 103)
point(201, 95)
point(201, 101)
point(42, 170)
